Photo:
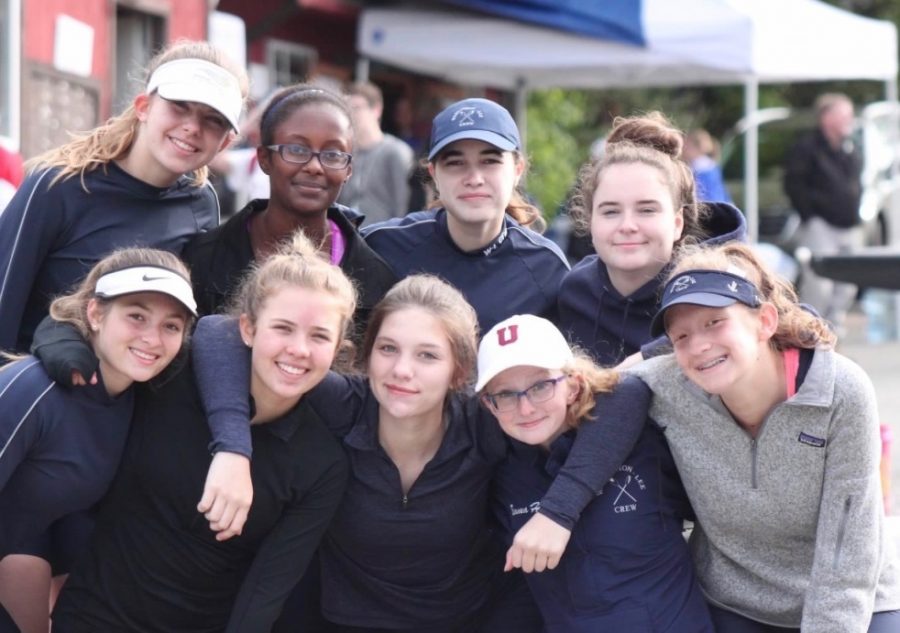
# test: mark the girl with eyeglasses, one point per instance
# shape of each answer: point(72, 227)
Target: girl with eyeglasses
point(140, 179)
point(412, 547)
point(306, 146)
point(627, 567)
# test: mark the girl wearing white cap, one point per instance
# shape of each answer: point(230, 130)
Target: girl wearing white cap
point(776, 438)
point(153, 564)
point(482, 234)
point(137, 180)
point(59, 448)
point(627, 567)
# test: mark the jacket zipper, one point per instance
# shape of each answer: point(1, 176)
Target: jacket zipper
point(753, 462)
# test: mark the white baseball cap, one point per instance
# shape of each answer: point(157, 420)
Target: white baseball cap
point(200, 81)
point(147, 279)
point(523, 339)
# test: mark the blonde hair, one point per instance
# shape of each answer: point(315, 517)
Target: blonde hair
point(73, 307)
point(651, 140)
point(704, 142)
point(447, 305)
point(590, 379)
point(113, 140)
point(296, 263)
point(797, 327)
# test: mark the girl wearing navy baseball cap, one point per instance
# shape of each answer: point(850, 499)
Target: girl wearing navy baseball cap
point(140, 179)
point(481, 235)
point(59, 448)
point(776, 438)
point(627, 567)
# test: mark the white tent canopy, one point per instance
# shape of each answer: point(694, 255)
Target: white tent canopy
point(688, 42)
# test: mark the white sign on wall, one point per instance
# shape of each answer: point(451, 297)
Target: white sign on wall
point(73, 46)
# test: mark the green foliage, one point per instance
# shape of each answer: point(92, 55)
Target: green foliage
point(556, 127)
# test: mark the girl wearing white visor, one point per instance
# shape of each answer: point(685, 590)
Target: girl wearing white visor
point(59, 448)
point(137, 180)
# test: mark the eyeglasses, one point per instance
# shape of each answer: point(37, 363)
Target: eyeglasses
point(300, 155)
point(540, 391)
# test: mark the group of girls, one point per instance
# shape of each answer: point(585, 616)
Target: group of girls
point(407, 484)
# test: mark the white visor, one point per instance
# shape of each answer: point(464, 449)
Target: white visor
point(200, 81)
point(147, 279)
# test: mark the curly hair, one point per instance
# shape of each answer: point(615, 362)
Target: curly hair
point(797, 326)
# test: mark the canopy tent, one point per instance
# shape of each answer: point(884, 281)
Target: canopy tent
point(684, 42)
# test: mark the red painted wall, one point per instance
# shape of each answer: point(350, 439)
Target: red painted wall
point(184, 19)
point(39, 21)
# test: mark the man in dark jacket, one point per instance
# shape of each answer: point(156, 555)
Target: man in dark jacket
point(822, 179)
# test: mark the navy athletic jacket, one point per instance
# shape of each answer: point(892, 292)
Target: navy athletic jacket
point(59, 449)
point(627, 567)
point(220, 258)
point(611, 327)
point(519, 272)
point(50, 237)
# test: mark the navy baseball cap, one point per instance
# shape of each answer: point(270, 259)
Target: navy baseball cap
point(709, 288)
point(478, 119)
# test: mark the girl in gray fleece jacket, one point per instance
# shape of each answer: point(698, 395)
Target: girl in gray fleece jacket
point(776, 439)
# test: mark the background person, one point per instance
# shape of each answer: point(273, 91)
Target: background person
point(379, 187)
point(701, 152)
point(822, 179)
point(138, 180)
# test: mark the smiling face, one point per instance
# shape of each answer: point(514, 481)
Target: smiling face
point(294, 341)
point(174, 138)
point(411, 365)
point(135, 337)
point(310, 188)
point(719, 348)
point(634, 224)
point(476, 182)
point(532, 423)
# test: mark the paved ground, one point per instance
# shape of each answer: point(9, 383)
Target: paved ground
point(882, 362)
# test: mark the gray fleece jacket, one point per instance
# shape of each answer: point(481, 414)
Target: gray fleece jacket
point(790, 524)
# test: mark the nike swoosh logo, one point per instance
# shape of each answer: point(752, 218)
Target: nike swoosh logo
point(148, 278)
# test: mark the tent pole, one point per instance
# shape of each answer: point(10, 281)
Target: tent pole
point(521, 110)
point(751, 156)
point(362, 69)
point(890, 89)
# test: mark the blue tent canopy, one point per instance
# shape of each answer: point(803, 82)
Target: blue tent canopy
point(618, 21)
